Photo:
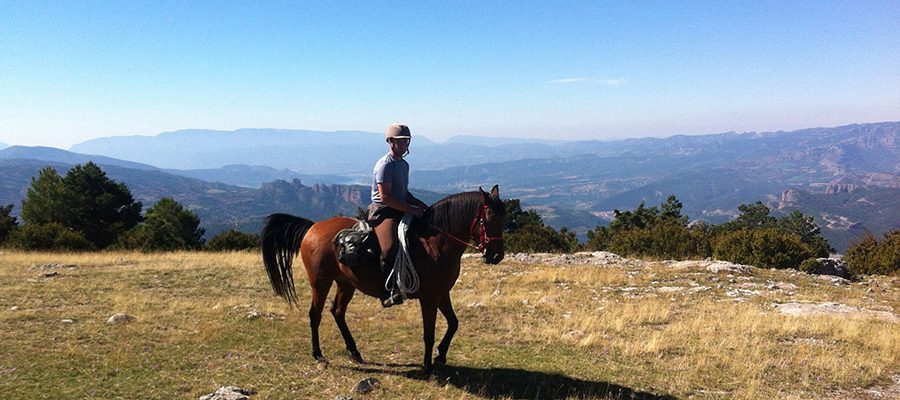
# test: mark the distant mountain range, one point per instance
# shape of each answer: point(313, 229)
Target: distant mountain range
point(848, 177)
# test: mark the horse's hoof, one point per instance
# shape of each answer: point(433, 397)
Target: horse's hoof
point(321, 364)
point(356, 358)
point(440, 360)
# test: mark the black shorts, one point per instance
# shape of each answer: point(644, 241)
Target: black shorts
point(378, 213)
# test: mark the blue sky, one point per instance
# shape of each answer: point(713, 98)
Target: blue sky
point(75, 70)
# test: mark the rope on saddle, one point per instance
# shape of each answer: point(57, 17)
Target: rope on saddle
point(404, 272)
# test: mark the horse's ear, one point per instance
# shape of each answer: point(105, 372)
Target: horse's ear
point(495, 191)
point(484, 196)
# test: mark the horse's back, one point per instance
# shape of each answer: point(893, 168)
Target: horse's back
point(322, 233)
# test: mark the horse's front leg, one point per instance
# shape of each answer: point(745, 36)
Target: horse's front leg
point(446, 307)
point(429, 315)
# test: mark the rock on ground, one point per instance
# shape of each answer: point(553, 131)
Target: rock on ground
point(801, 309)
point(229, 393)
point(119, 318)
point(580, 258)
point(366, 385)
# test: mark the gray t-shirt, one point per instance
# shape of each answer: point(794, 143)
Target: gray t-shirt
point(394, 171)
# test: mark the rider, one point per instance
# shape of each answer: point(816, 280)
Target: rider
point(390, 200)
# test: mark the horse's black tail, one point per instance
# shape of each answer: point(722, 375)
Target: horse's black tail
point(280, 239)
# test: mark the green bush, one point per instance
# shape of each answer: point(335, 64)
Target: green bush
point(232, 240)
point(810, 265)
point(869, 256)
point(525, 232)
point(167, 227)
point(768, 248)
point(50, 236)
point(539, 239)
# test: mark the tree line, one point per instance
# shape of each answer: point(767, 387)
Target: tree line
point(85, 210)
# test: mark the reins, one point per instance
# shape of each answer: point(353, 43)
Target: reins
point(483, 238)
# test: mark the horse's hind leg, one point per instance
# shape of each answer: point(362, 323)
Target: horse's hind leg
point(319, 293)
point(339, 310)
point(446, 307)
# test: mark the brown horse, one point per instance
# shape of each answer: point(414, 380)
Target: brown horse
point(440, 237)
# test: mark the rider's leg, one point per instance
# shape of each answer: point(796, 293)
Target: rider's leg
point(386, 232)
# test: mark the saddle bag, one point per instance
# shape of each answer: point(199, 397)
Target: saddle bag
point(357, 246)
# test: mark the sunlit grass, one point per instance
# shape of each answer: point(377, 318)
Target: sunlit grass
point(583, 330)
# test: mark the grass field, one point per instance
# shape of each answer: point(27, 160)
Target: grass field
point(527, 330)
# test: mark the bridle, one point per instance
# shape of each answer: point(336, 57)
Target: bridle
point(483, 238)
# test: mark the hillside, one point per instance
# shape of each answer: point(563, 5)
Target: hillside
point(586, 326)
point(572, 184)
point(219, 206)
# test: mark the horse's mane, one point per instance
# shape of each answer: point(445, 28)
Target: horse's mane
point(445, 213)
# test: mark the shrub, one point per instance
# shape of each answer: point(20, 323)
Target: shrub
point(232, 240)
point(525, 232)
point(8, 223)
point(810, 265)
point(50, 236)
point(539, 239)
point(168, 226)
point(868, 256)
point(768, 248)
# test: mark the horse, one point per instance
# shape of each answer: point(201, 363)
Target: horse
point(440, 238)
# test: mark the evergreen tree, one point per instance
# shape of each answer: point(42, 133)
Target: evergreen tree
point(45, 201)
point(526, 232)
point(8, 223)
point(98, 207)
point(642, 217)
point(167, 226)
point(753, 216)
point(809, 232)
point(84, 201)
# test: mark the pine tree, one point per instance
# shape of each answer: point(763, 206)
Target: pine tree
point(45, 201)
point(98, 207)
point(8, 223)
point(167, 226)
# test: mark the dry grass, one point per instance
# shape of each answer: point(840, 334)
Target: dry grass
point(527, 331)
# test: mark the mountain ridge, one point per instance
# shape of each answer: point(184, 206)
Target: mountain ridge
point(579, 184)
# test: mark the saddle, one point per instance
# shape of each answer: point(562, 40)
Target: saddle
point(357, 245)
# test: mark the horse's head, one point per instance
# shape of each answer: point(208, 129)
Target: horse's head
point(491, 220)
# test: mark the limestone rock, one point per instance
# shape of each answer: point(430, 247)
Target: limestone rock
point(119, 318)
point(229, 393)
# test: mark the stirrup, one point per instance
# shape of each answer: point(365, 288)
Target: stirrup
point(395, 298)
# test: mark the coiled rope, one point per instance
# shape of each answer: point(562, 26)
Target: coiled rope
point(404, 272)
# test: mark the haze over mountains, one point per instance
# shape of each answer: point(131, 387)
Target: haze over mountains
point(848, 177)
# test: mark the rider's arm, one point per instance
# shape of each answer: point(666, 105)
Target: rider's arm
point(384, 189)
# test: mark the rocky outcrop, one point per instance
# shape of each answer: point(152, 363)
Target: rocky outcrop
point(840, 188)
point(830, 266)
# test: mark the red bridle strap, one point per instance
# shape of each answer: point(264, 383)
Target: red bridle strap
point(483, 238)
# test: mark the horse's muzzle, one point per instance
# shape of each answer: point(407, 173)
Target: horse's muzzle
point(494, 258)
